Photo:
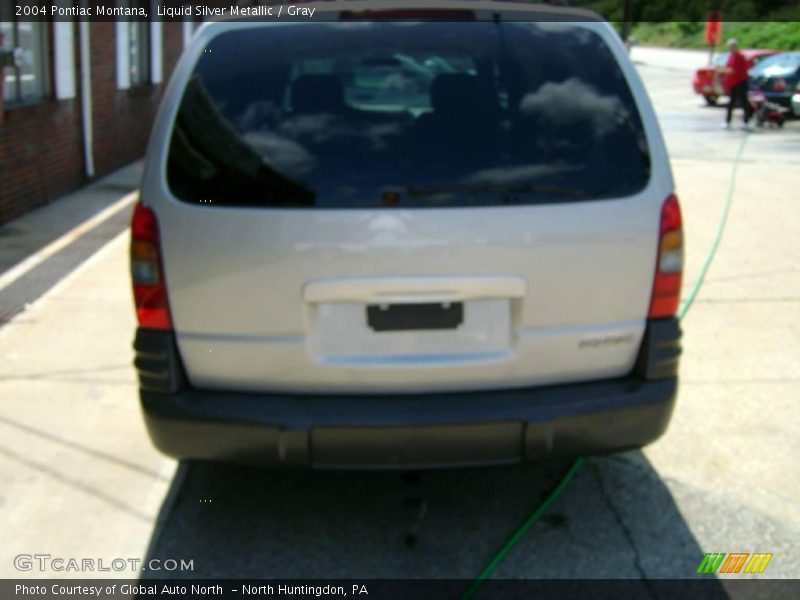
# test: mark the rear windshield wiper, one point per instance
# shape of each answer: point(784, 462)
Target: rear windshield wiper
point(422, 191)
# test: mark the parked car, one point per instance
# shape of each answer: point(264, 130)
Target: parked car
point(796, 101)
point(777, 78)
point(708, 83)
point(482, 274)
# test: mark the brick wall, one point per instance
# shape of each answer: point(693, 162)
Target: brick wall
point(41, 155)
point(41, 146)
point(173, 46)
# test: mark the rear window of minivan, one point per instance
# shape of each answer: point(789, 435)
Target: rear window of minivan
point(432, 114)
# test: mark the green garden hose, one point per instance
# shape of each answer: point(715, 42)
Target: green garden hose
point(520, 532)
point(687, 303)
point(501, 554)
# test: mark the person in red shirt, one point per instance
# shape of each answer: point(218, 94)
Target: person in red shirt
point(735, 83)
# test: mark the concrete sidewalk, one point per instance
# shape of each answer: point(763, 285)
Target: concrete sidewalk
point(78, 476)
point(24, 237)
point(43, 246)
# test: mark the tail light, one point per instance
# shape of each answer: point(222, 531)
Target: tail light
point(147, 273)
point(669, 266)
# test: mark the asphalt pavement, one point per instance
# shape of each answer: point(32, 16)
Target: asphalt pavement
point(78, 476)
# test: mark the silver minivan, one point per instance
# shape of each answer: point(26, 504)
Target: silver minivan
point(429, 234)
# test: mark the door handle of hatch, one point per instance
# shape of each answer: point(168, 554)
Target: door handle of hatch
point(404, 290)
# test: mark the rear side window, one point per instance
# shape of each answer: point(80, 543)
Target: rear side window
point(721, 59)
point(778, 65)
point(354, 115)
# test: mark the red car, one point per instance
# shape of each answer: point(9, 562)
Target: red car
point(708, 83)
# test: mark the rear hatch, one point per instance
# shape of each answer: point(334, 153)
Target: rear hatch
point(707, 79)
point(778, 74)
point(415, 206)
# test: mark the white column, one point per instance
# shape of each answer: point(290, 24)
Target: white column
point(188, 30)
point(123, 56)
point(156, 52)
point(86, 99)
point(64, 59)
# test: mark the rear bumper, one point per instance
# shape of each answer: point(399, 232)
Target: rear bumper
point(410, 431)
point(783, 99)
point(393, 430)
point(705, 84)
point(706, 89)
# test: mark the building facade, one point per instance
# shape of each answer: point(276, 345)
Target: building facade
point(78, 101)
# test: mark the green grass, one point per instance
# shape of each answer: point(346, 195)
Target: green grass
point(770, 34)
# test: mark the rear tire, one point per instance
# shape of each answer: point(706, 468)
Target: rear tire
point(710, 99)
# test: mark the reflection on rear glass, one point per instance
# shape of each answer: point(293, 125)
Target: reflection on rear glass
point(430, 114)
